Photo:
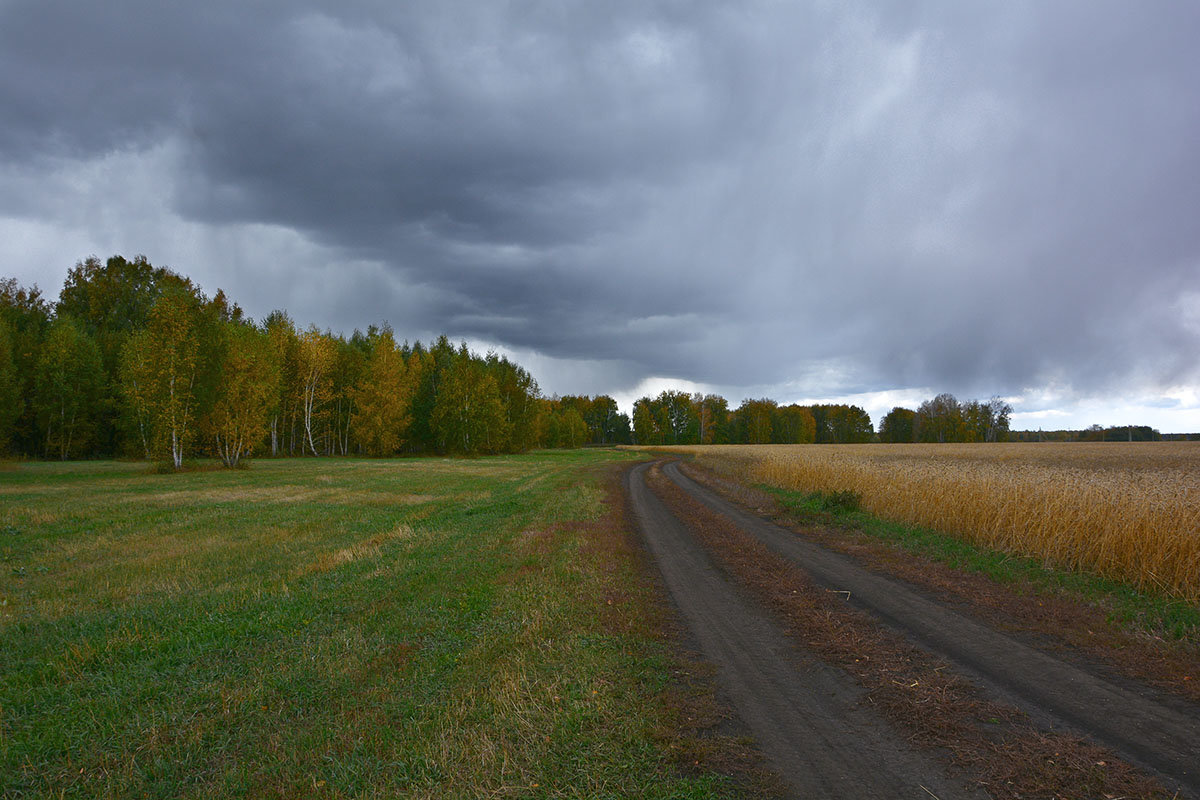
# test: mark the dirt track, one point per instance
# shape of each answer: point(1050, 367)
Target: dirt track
point(807, 715)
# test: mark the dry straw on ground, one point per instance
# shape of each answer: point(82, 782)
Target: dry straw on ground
point(1129, 511)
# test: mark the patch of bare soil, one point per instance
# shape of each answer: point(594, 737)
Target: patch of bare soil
point(983, 731)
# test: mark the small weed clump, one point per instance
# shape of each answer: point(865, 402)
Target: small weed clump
point(839, 501)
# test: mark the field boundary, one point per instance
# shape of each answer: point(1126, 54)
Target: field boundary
point(909, 683)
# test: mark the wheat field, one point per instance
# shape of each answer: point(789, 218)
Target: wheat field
point(1127, 511)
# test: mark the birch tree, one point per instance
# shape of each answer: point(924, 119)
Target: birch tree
point(281, 332)
point(519, 396)
point(468, 416)
point(383, 398)
point(755, 416)
point(940, 420)
point(793, 424)
point(645, 423)
point(134, 377)
point(248, 385)
point(162, 371)
point(567, 429)
point(69, 375)
point(315, 356)
point(346, 375)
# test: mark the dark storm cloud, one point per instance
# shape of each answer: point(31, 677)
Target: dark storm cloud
point(940, 195)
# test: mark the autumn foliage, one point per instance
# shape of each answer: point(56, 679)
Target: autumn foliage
point(134, 360)
point(676, 417)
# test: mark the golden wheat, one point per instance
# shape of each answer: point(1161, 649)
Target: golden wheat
point(1128, 511)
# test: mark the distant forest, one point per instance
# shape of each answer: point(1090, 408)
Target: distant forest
point(135, 361)
point(679, 418)
point(1097, 433)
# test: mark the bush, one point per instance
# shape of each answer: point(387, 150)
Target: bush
point(844, 500)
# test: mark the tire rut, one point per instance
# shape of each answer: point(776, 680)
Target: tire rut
point(1160, 735)
point(805, 715)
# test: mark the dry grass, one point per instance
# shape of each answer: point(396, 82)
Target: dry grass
point(364, 549)
point(1127, 511)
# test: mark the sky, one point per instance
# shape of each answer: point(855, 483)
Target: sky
point(811, 201)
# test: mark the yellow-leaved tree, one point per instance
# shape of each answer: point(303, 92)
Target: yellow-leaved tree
point(315, 356)
point(246, 391)
point(383, 398)
point(160, 367)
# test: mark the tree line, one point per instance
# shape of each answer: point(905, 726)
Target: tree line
point(675, 417)
point(1099, 433)
point(946, 419)
point(135, 360)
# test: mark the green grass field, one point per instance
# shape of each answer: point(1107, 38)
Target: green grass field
point(332, 628)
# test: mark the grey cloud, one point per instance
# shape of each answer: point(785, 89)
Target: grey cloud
point(934, 194)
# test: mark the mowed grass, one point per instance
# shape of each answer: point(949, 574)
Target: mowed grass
point(1129, 512)
point(329, 628)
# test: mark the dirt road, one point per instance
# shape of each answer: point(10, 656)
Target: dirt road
point(807, 716)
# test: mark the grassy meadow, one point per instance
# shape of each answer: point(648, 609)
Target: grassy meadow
point(1125, 511)
point(330, 628)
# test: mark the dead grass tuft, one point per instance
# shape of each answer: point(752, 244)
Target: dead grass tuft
point(346, 555)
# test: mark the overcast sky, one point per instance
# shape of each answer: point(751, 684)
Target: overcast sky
point(803, 200)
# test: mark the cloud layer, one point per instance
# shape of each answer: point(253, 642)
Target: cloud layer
point(818, 198)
